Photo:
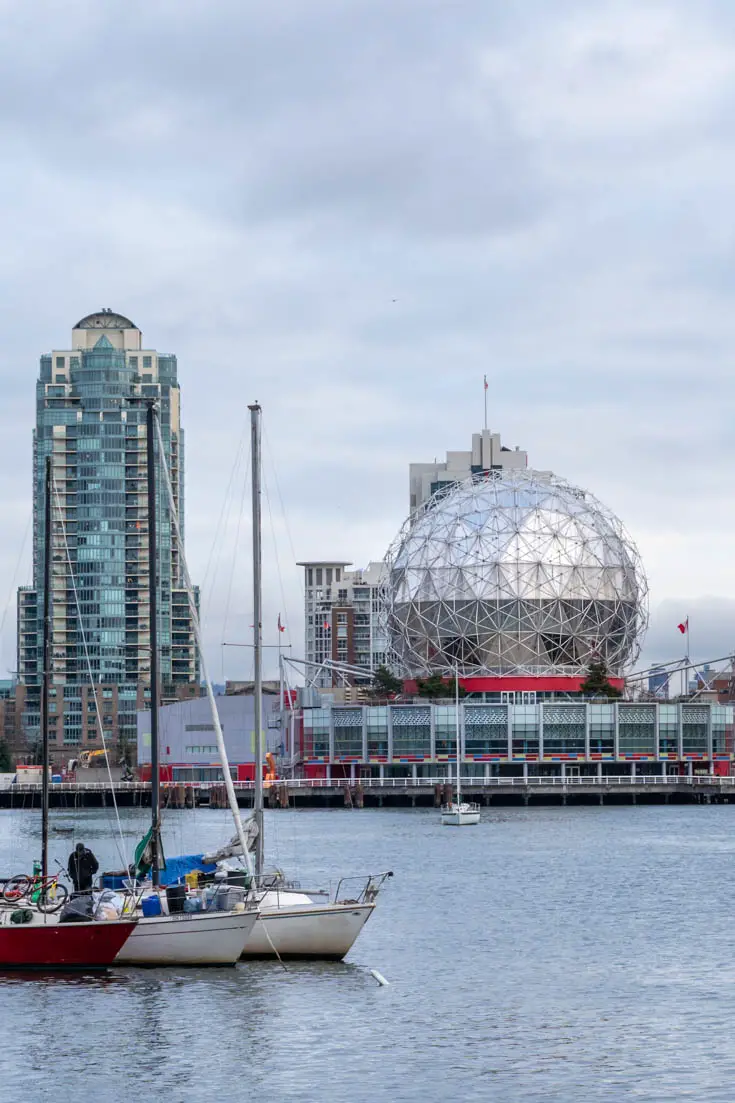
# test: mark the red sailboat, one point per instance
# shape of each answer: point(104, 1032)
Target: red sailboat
point(50, 945)
point(29, 938)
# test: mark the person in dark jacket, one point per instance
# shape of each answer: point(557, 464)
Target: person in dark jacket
point(82, 867)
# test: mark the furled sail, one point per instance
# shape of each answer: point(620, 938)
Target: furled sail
point(234, 848)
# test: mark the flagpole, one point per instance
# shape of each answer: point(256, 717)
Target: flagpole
point(688, 661)
point(280, 677)
point(484, 380)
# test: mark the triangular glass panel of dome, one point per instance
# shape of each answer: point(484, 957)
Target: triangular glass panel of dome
point(103, 343)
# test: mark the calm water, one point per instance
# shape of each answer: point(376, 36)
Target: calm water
point(548, 954)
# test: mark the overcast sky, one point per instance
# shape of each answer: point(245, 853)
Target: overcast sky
point(351, 210)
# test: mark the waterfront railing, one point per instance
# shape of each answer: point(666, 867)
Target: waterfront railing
point(658, 780)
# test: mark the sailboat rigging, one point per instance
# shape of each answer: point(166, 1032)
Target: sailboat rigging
point(459, 813)
point(168, 934)
point(291, 923)
point(33, 937)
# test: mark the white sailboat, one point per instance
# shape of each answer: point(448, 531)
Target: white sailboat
point(292, 923)
point(459, 813)
point(206, 937)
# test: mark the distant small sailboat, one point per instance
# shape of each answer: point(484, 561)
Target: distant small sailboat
point(459, 813)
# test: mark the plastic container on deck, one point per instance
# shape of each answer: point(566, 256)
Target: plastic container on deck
point(151, 906)
point(175, 895)
point(192, 904)
point(243, 879)
point(227, 896)
point(116, 880)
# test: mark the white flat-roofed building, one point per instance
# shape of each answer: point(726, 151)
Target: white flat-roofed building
point(188, 743)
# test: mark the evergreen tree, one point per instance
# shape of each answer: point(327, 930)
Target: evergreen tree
point(6, 761)
point(435, 686)
point(597, 684)
point(385, 684)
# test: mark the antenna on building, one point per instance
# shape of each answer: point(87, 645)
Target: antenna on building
point(484, 386)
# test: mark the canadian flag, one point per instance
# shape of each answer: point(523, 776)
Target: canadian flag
point(684, 628)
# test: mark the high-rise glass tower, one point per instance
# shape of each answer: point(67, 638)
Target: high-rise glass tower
point(90, 418)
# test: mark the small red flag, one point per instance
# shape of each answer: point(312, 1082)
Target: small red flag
point(485, 381)
point(281, 627)
point(684, 628)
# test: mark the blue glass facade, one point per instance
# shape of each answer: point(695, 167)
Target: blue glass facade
point(90, 418)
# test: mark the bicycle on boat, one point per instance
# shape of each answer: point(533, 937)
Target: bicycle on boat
point(48, 894)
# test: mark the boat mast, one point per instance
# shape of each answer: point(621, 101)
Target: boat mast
point(196, 627)
point(456, 718)
point(153, 615)
point(46, 672)
point(255, 412)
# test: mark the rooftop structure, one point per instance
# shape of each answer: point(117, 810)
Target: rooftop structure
point(487, 454)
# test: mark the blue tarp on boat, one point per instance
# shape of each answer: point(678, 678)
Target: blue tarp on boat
point(177, 868)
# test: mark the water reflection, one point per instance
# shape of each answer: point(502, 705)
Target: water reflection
point(551, 954)
point(72, 978)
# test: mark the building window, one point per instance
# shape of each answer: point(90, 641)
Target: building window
point(319, 576)
point(60, 362)
point(310, 577)
point(147, 362)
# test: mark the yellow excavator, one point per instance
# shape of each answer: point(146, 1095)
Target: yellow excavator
point(86, 758)
point(271, 773)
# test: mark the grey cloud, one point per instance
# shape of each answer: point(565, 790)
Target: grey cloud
point(254, 184)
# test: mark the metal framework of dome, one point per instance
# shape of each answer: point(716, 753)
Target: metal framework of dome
point(514, 573)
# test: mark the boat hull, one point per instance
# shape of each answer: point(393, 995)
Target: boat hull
point(460, 819)
point(325, 931)
point(192, 938)
point(53, 945)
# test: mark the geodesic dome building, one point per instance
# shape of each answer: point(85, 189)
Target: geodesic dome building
point(513, 572)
